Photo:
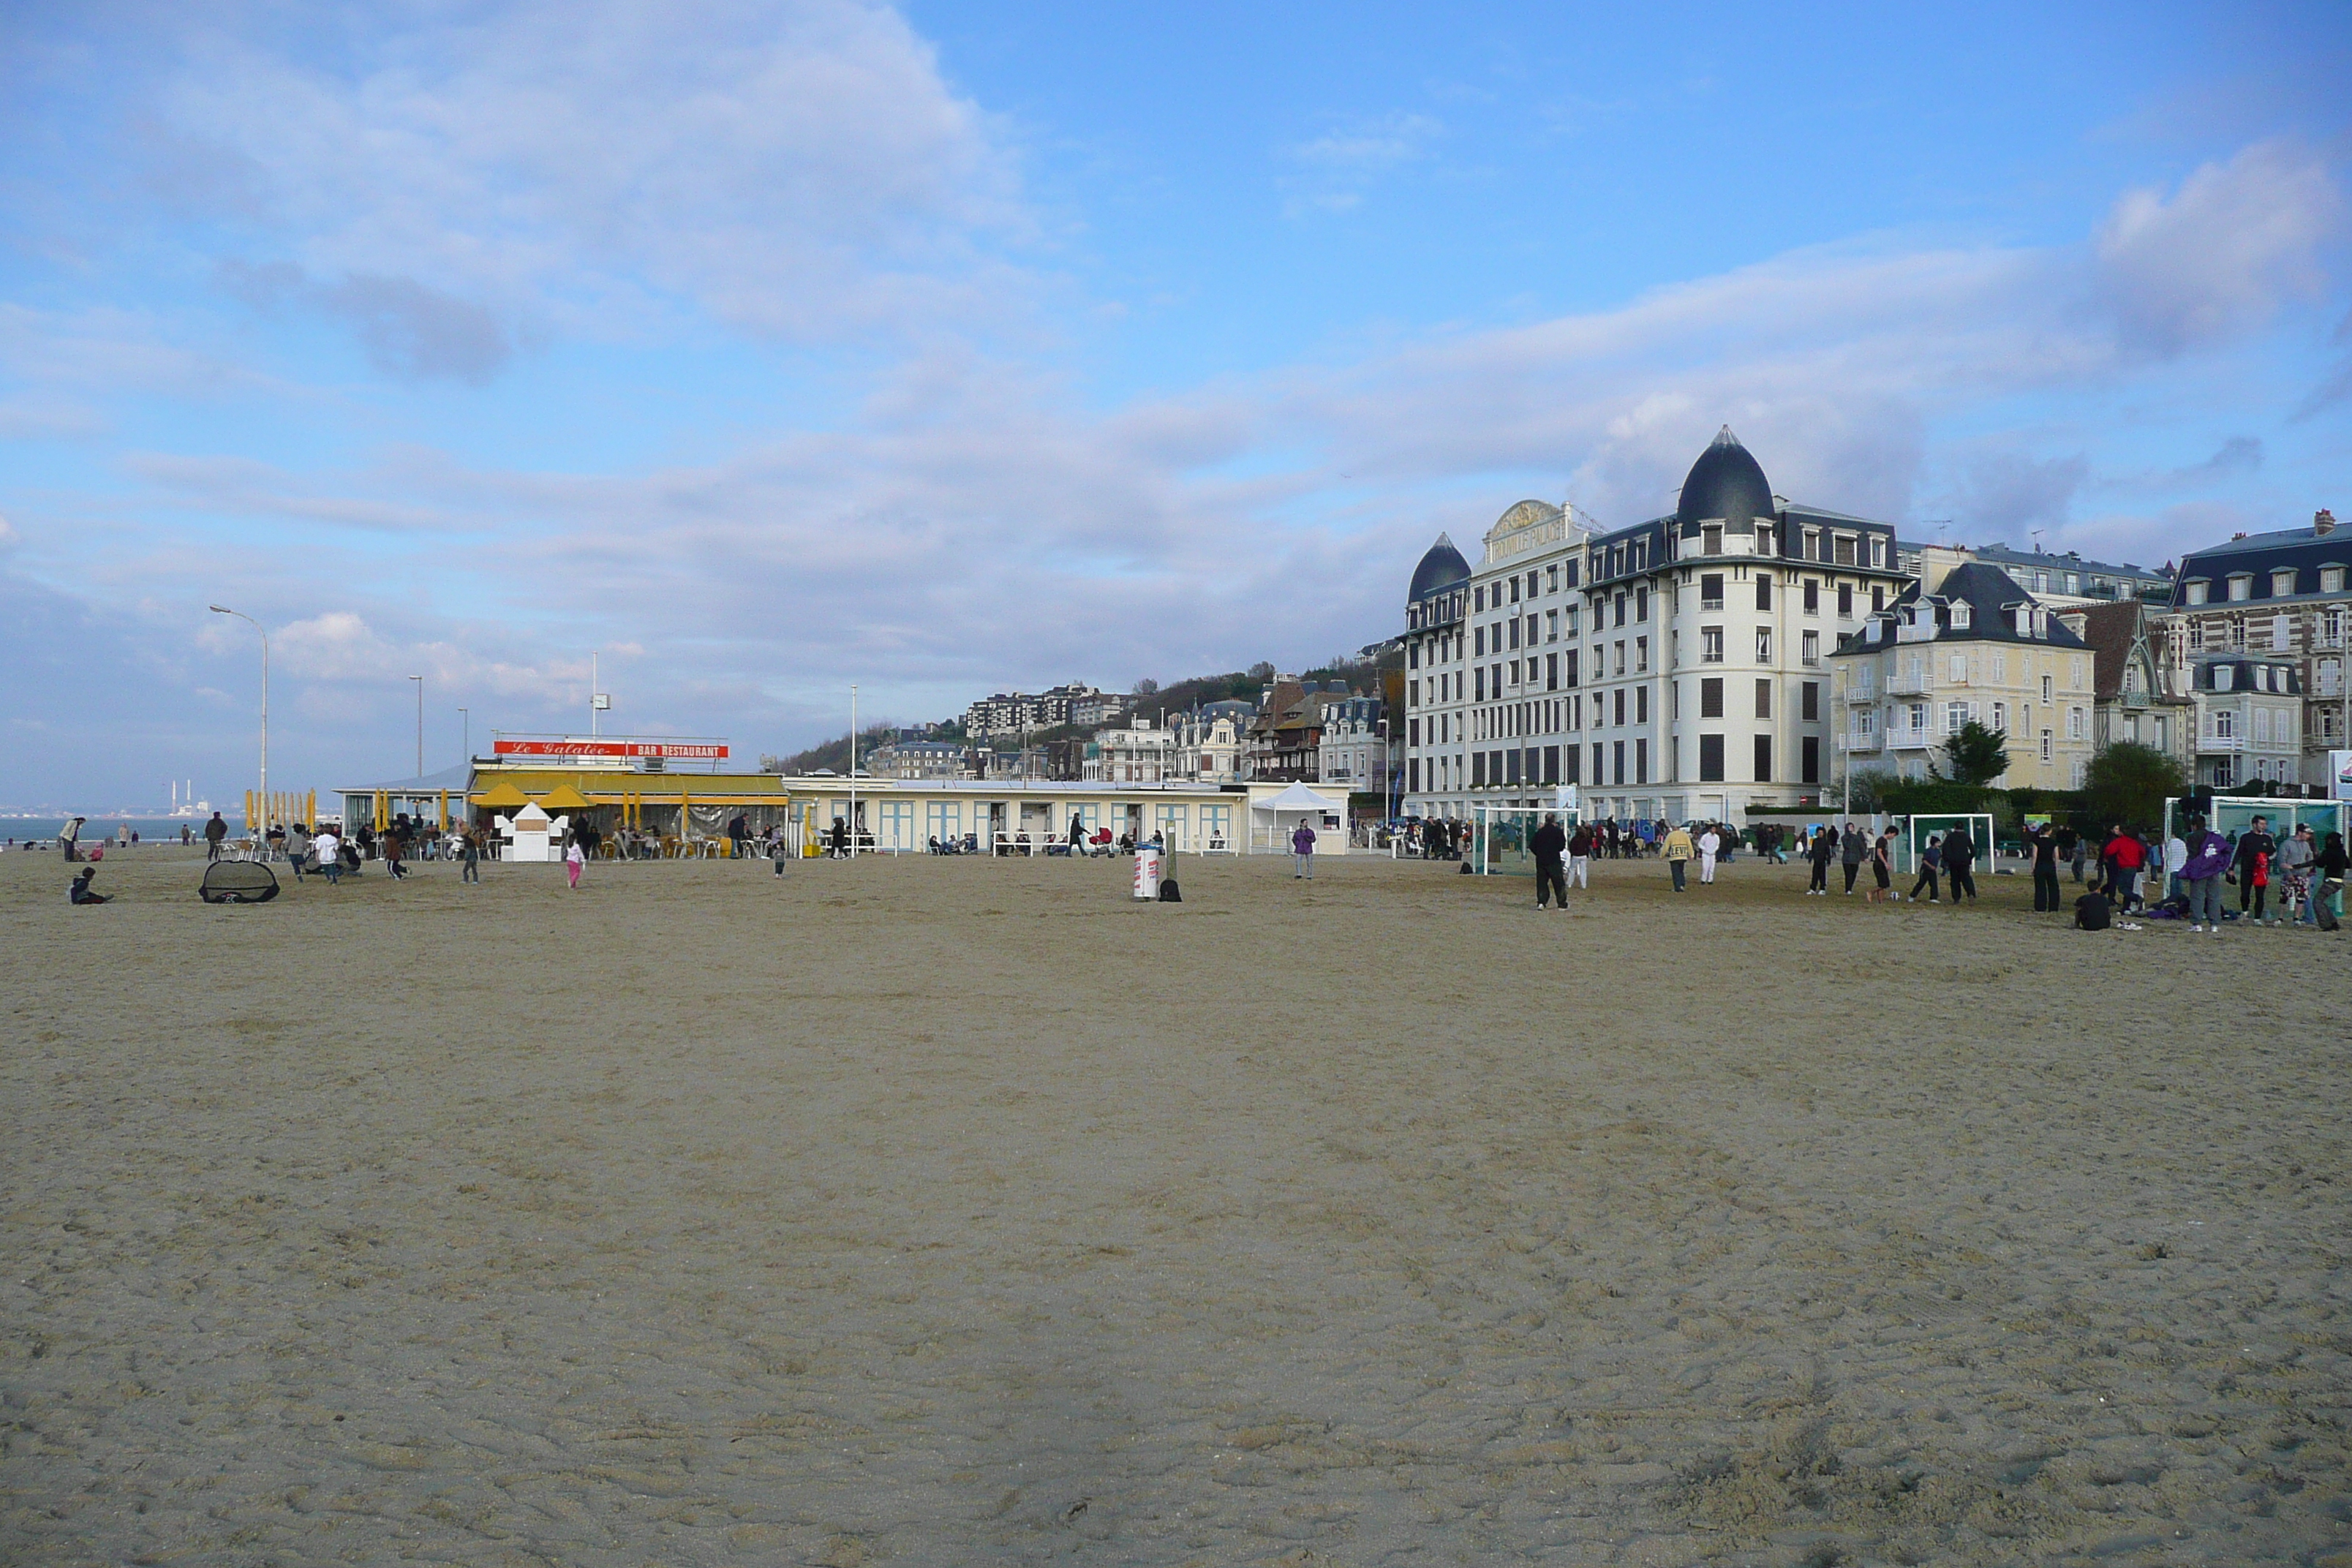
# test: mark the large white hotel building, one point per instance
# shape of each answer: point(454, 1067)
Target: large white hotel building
point(1674, 669)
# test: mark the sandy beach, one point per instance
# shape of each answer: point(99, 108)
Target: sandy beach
point(956, 1211)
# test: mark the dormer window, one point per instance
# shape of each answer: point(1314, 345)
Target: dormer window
point(2025, 620)
point(2196, 590)
point(2283, 583)
point(2221, 673)
point(2241, 585)
point(1960, 612)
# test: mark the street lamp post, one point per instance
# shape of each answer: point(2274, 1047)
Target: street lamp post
point(420, 724)
point(853, 770)
point(1387, 775)
point(240, 615)
point(466, 717)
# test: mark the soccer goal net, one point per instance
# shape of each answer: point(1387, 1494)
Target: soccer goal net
point(1919, 830)
point(1502, 833)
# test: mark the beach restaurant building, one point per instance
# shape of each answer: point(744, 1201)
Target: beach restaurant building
point(681, 793)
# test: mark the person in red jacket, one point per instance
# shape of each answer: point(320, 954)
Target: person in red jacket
point(2126, 854)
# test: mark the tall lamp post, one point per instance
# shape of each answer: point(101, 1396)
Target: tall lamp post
point(240, 615)
point(466, 717)
point(853, 770)
point(1387, 775)
point(420, 724)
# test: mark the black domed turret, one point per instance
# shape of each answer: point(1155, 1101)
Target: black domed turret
point(1726, 482)
point(1441, 569)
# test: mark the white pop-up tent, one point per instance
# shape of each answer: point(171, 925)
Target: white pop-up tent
point(1276, 817)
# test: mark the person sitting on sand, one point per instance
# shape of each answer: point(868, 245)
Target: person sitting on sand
point(80, 892)
point(2092, 911)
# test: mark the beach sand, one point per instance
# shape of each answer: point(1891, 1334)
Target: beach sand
point(933, 1212)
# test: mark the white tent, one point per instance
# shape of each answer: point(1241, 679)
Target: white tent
point(1273, 819)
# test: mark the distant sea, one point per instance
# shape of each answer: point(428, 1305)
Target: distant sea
point(149, 830)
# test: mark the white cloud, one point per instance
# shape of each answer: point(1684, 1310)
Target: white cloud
point(2219, 257)
point(799, 169)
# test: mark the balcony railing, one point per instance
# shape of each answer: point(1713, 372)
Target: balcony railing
point(2219, 744)
point(1869, 742)
point(1905, 739)
point(1908, 685)
point(1864, 693)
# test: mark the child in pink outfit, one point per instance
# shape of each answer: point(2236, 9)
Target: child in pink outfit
point(573, 859)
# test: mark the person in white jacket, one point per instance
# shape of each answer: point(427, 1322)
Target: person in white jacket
point(2176, 855)
point(1709, 843)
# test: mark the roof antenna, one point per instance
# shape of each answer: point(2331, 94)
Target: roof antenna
point(2037, 541)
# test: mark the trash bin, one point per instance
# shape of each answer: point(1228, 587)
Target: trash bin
point(1148, 869)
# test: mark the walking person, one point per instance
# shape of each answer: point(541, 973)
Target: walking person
point(1709, 844)
point(2122, 859)
point(1579, 859)
point(2075, 847)
point(216, 832)
point(2256, 849)
point(1881, 866)
point(2205, 861)
point(574, 860)
point(1549, 843)
point(2176, 855)
point(2044, 843)
point(469, 851)
point(1302, 853)
point(2292, 867)
point(1931, 863)
point(2328, 866)
point(1852, 850)
point(1821, 849)
point(1678, 853)
point(330, 846)
point(1960, 859)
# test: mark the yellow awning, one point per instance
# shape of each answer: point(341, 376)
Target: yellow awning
point(503, 797)
point(563, 797)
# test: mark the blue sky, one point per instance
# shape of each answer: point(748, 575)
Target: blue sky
point(771, 347)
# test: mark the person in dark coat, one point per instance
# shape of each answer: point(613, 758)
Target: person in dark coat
point(1931, 863)
point(2255, 851)
point(1960, 855)
point(1549, 843)
point(1852, 850)
point(2044, 843)
point(1821, 850)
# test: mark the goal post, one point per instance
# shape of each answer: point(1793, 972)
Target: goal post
point(1502, 835)
point(1917, 829)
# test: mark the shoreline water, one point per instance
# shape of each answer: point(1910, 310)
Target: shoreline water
point(150, 830)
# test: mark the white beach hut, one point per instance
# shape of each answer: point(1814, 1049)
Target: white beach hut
point(528, 834)
point(1276, 817)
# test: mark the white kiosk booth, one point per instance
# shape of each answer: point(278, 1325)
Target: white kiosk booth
point(1275, 817)
point(531, 837)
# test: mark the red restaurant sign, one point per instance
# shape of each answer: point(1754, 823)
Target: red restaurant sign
point(694, 750)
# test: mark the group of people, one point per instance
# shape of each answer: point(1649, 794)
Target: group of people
point(2297, 876)
point(1946, 862)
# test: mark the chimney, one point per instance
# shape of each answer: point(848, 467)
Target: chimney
point(2323, 522)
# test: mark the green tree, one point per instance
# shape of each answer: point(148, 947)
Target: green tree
point(2128, 782)
point(1975, 756)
